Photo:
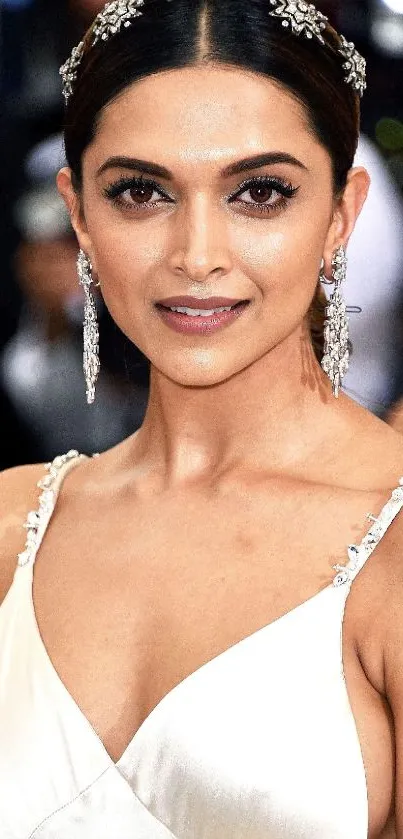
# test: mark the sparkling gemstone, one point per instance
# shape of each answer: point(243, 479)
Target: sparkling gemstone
point(45, 482)
point(341, 578)
point(24, 558)
point(46, 499)
point(33, 520)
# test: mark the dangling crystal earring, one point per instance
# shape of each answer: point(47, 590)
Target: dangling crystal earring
point(91, 332)
point(336, 358)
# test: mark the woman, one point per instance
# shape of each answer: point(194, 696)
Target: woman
point(192, 667)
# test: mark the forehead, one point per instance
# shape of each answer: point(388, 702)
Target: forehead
point(204, 114)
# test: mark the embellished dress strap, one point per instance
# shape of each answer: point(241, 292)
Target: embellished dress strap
point(38, 520)
point(359, 554)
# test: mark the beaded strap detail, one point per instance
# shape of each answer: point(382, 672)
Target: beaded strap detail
point(37, 519)
point(358, 554)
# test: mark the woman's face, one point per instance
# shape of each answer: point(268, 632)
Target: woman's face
point(200, 231)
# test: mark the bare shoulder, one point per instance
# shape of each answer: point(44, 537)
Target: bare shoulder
point(18, 495)
point(376, 458)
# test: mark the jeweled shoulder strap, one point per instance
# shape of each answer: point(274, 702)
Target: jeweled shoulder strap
point(358, 554)
point(38, 520)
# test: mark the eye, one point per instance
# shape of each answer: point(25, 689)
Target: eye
point(134, 193)
point(268, 194)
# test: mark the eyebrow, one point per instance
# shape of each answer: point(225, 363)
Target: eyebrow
point(255, 162)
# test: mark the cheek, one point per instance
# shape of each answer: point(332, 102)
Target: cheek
point(127, 260)
point(284, 262)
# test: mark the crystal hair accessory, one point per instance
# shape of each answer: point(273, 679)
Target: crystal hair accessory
point(114, 16)
point(355, 66)
point(305, 19)
point(300, 17)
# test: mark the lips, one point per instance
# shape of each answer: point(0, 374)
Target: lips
point(198, 303)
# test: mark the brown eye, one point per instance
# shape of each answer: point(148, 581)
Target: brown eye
point(266, 194)
point(141, 194)
point(261, 193)
point(134, 193)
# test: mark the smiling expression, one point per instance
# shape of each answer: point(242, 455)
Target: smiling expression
point(172, 208)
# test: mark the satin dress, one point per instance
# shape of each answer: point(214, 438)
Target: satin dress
point(259, 743)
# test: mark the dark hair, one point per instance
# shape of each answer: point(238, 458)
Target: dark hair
point(172, 34)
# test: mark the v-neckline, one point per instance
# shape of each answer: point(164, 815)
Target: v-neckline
point(248, 639)
point(173, 691)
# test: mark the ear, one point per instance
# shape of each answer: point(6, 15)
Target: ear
point(347, 209)
point(74, 204)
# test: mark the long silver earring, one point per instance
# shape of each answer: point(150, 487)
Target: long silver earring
point(336, 358)
point(91, 332)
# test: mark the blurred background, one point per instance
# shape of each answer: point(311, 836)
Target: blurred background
point(43, 409)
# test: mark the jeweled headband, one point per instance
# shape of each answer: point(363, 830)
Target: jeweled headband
point(300, 17)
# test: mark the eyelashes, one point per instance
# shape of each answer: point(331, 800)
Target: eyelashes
point(116, 191)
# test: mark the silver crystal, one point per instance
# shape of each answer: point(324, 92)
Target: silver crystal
point(355, 66)
point(303, 18)
point(46, 500)
point(353, 553)
point(36, 518)
point(106, 24)
point(45, 482)
point(33, 520)
point(68, 71)
point(342, 577)
point(58, 462)
point(91, 363)
point(336, 358)
point(24, 558)
point(115, 15)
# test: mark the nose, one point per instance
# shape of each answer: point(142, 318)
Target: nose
point(201, 241)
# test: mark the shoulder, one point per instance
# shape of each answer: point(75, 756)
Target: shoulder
point(19, 494)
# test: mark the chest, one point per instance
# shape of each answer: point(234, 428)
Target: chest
point(127, 613)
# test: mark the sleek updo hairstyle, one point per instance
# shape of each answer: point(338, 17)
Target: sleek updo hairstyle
point(172, 34)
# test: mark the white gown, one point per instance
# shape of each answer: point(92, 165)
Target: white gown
point(259, 743)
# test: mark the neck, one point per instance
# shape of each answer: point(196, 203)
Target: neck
point(273, 416)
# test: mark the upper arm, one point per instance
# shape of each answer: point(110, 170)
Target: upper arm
point(18, 495)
